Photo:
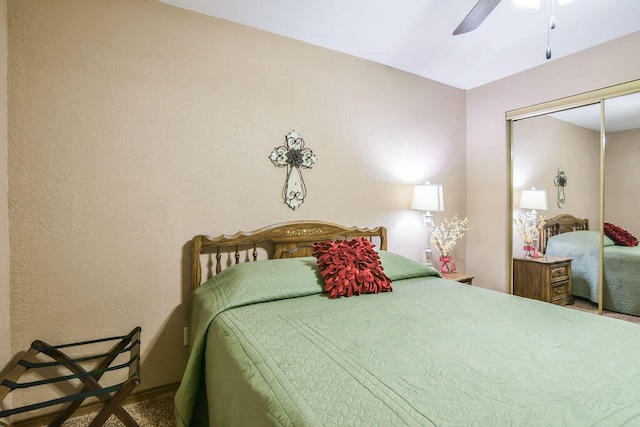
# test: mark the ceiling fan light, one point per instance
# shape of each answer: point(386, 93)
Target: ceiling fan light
point(533, 4)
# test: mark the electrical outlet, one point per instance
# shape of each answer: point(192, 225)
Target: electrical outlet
point(185, 336)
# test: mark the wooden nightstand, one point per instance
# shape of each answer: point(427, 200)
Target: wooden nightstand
point(546, 279)
point(458, 277)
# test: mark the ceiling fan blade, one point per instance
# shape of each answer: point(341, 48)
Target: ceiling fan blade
point(479, 13)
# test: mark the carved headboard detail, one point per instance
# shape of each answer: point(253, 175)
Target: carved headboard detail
point(285, 240)
point(563, 223)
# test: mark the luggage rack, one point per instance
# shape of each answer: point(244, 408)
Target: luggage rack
point(110, 396)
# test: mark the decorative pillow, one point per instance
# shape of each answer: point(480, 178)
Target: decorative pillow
point(619, 235)
point(350, 267)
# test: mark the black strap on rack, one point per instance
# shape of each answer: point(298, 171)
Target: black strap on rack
point(111, 396)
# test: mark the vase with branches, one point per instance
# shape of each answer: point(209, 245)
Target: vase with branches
point(445, 236)
point(529, 231)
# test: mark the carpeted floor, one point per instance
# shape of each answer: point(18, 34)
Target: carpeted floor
point(156, 412)
point(586, 305)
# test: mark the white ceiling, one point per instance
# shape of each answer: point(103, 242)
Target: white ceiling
point(416, 35)
point(621, 113)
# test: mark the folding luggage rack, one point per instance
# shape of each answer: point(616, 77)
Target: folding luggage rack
point(110, 396)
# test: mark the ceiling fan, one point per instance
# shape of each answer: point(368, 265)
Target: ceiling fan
point(483, 8)
point(479, 13)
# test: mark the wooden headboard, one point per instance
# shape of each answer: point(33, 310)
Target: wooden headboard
point(563, 223)
point(284, 240)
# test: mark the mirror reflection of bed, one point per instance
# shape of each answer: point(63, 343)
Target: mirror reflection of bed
point(568, 236)
point(603, 177)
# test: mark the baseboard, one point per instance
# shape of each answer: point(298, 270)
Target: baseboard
point(95, 407)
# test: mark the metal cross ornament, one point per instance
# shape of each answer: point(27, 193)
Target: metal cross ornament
point(560, 181)
point(293, 156)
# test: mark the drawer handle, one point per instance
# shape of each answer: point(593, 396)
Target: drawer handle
point(558, 272)
point(558, 290)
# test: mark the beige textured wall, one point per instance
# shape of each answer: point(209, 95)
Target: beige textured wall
point(604, 65)
point(135, 125)
point(622, 175)
point(543, 144)
point(5, 320)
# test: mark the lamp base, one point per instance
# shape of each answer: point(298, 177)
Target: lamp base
point(428, 223)
point(429, 256)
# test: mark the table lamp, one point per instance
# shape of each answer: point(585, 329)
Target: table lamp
point(428, 198)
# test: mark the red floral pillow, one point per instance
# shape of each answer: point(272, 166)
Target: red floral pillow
point(350, 267)
point(619, 235)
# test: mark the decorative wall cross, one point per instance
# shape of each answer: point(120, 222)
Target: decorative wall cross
point(560, 181)
point(293, 156)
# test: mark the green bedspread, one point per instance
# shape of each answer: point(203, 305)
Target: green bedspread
point(432, 352)
point(621, 290)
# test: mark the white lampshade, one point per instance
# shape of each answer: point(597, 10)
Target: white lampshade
point(428, 197)
point(533, 199)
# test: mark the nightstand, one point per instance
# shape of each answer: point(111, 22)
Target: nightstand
point(546, 279)
point(458, 277)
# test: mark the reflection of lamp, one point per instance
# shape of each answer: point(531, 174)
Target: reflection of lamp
point(533, 199)
point(428, 198)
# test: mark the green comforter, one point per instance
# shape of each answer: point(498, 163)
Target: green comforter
point(432, 352)
point(621, 290)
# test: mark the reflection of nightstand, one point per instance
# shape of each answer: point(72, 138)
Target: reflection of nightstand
point(458, 277)
point(546, 279)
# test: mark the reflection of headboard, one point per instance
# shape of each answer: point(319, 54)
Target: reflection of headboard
point(286, 240)
point(563, 223)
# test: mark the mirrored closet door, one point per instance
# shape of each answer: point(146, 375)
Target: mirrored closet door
point(621, 258)
point(558, 157)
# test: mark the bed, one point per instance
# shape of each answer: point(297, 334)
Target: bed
point(569, 236)
point(269, 347)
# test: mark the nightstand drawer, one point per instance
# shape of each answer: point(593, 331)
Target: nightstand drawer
point(560, 291)
point(560, 272)
point(547, 278)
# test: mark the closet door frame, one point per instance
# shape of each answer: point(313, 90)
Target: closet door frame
point(598, 96)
